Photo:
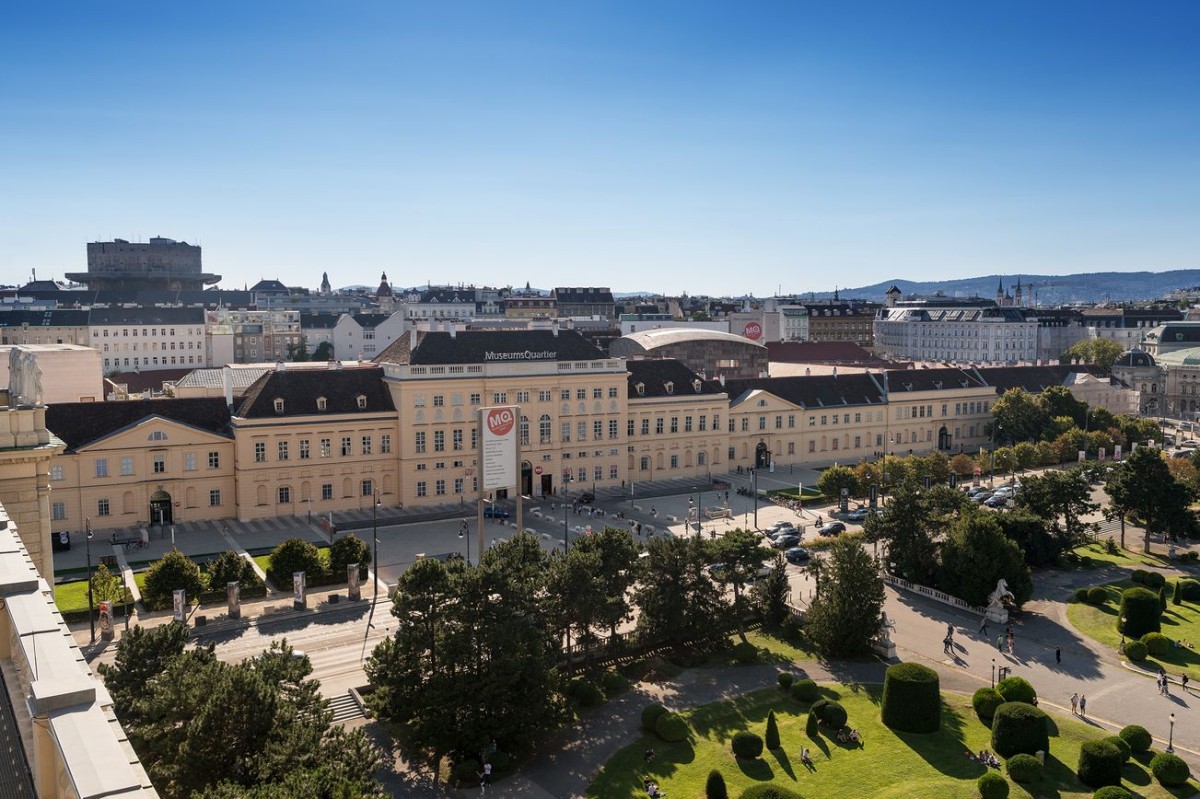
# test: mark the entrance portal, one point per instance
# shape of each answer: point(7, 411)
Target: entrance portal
point(161, 510)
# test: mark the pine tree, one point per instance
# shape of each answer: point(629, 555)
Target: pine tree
point(772, 737)
point(812, 726)
point(715, 787)
point(1162, 598)
point(1177, 594)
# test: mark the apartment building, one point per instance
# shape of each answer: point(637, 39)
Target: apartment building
point(956, 331)
point(148, 338)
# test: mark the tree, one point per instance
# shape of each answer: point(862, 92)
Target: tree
point(618, 558)
point(346, 550)
point(170, 573)
point(678, 603)
point(743, 558)
point(294, 555)
point(835, 478)
point(906, 527)
point(1031, 533)
point(963, 465)
point(323, 352)
point(773, 594)
point(845, 613)
point(230, 567)
point(1142, 485)
point(1025, 455)
point(976, 554)
point(1100, 352)
point(299, 350)
point(1058, 401)
point(1062, 498)
point(142, 654)
point(106, 586)
point(1018, 416)
point(576, 595)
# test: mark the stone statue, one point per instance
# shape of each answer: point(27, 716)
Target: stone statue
point(24, 378)
point(886, 625)
point(995, 609)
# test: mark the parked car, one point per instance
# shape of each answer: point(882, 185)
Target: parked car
point(982, 496)
point(587, 498)
point(1191, 443)
point(786, 541)
point(492, 512)
point(997, 501)
point(797, 555)
point(779, 527)
point(858, 515)
point(831, 528)
point(719, 571)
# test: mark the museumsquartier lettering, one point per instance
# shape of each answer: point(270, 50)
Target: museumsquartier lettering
point(527, 355)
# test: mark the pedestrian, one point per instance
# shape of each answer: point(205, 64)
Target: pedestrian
point(1183, 681)
point(950, 630)
point(946, 644)
point(999, 643)
point(1011, 643)
point(1166, 684)
point(1121, 646)
point(1058, 655)
point(983, 630)
point(1083, 706)
point(485, 777)
point(1075, 703)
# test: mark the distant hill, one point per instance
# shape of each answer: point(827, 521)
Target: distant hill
point(1048, 289)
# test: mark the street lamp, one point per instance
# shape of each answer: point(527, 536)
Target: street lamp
point(87, 526)
point(993, 672)
point(754, 488)
point(566, 501)
point(375, 538)
point(699, 505)
point(463, 529)
point(992, 454)
point(1171, 736)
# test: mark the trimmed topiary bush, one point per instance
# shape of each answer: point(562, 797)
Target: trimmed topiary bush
point(1157, 644)
point(500, 760)
point(992, 786)
point(786, 678)
point(813, 725)
point(1126, 749)
point(714, 787)
point(771, 738)
point(173, 571)
point(671, 728)
point(1177, 593)
point(985, 701)
point(1016, 689)
point(766, 790)
point(1190, 590)
point(912, 699)
point(745, 652)
point(348, 549)
point(1097, 595)
point(1019, 728)
point(1081, 595)
point(1112, 792)
point(1135, 650)
point(1137, 737)
point(465, 772)
point(1162, 598)
point(1141, 611)
point(613, 682)
point(1099, 763)
point(804, 690)
point(585, 692)
point(747, 745)
point(650, 715)
point(1139, 576)
point(1024, 768)
point(832, 715)
point(1155, 580)
point(1170, 770)
point(295, 555)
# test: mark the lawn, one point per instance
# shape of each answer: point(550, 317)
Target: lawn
point(777, 649)
point(1179, 623)
point(888, 766)
point(72, 597)
point(1098, 557)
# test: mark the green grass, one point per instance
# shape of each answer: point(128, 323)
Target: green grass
point(72, 597)
point(1179, 623)
point(1095, 556)
point(889, 765)
point(773, 648)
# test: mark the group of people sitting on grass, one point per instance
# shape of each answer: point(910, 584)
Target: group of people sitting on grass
point(651, 788)
point(806, 757)
point(1183, 644)
point(984, 757)
point(851, 736)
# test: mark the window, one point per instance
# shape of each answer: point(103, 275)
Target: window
point(260, 451)
point(730, 453)
point(58, 511)
point(420, 440)
point(717, 422)
point(745, 423)
point(565, 394)
point(658, 426)
point(812, 446)
point(214, 498)
point(581, 393)
point(674, 424)
point(345, 446)
point(645, 464)
point(126, 465)
point(189, 461)
point(278, 405)
point(325, 447)
point(439, 440)
point(612, 394)
point(305, 454)
point(327, 491)
point(458, 485)
point(158, 435)
point(57, 473)
point(598, 429)
point(322, 404)
point(456, 438)
point(523, 430)
point(285, 495)
point(281, 450)
point(645, 427)
point(566, 431)
point(362, 402)
point(476, 399)
point(703, 422)
point(499, 397)
point(581, 431)
point(385, 443)
point(366, 445)
point(543, 396)
point(630, 428)
point(438, 400)
point(102, 508)
point(422, 491)
point(102, 467)
point(597, 393)
point(674, 461)
point(612, 428)
point(368, 487)
point(522, 396)
point(762, 422)
point(439, 488)
point(544, 428)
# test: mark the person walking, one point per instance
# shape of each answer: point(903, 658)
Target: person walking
point(1083, 706)
point(983, 630)
point(1058, 655)
point(999, 643)
point(950, 630)
point(1075, 703)
point(1012, 640)
point(947, 644)
point(1183, 681)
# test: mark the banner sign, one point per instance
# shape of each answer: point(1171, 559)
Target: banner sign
point(298, 590)
point(180, 600)
point(233, 596)
point(498, 447)
point(106, 627)
point(354, 592)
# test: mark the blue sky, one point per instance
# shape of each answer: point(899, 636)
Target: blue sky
point(719, 148)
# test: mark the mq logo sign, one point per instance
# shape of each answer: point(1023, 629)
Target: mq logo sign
point(500, 421)
point(752, 331)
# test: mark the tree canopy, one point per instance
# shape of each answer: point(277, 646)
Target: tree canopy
point(1143, 485)
point(1100, 352)
point(844, 614)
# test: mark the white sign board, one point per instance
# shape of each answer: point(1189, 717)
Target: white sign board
point(498, 447)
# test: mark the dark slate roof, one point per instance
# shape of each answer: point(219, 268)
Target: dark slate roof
point(42, 285)
point(33, 318)
point(300, 388)
point(581, 295)
point(474, 346)
point(370, 319)
point(147, 316)
point(319, 321)
point(1175, 332)
point(447, 296)
point(1134, 359)
point(810, 391)
point(1033, 379)
point(137, 382)
point(819, 352)
point(80, 423)
point(903, 380)
point(655, 373)
point(271, 286)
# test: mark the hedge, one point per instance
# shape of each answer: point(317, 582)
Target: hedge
point(585, 692)
point(1135, 650)
point(804, 690)
point(1024, 768)
point(1097, 595)
point(1081, 594)
point(1139, 576)
point(1170, 770)
point(613, 682)
point(992, 786)
point(1019, 728)
point(771, 736)
point(1190, 590)
point(714, 787)
point(747, 745)
point(671, 728)
point(745, 652)
point(1137, 737)
point(1123, 745)
point(1099, 763)
point(1017, 689)
point(812, 726)
point(831, 714)
point(765, 790)
point(1141, 612)
point(1155, 580)
point(785, 679)
point(912, 699)
point(985, 701)
point(1112, 792)
point(650, 714)
point(1157, 644)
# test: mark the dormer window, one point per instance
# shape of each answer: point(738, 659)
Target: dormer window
point(322, 404)
point(669, 386)
point(278, 405)
point(696, 385)
point(158, 435)
point(640, 388)
point(362, 402)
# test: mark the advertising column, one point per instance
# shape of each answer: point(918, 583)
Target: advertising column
point(499, 455)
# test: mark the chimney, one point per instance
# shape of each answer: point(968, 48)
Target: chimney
point(412, 338)
point(227, 384)
point(453, 329)
point(281, 365)
point(722, 378)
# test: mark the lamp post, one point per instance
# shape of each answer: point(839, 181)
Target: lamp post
point(992, 471)
point(699, 504)
point(1171, 736)
point(993, 672)
point(375, 539)
point(87, 526)
point(463, 529)
point(754, 489)
point(566, 502)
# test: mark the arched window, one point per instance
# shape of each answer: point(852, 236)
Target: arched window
point(544, 428)
point(524, 430)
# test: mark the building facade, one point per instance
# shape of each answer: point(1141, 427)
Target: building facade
point(160, 264)
point(148, 338)
point(956, 331)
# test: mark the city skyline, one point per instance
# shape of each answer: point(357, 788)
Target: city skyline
point(681, 147)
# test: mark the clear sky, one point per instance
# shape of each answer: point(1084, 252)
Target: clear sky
point(718, 148)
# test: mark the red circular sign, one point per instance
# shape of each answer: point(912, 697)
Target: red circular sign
point(752, 331)
point(500, 421)
point(537, 469)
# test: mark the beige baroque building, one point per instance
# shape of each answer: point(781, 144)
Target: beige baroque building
point(675, 423)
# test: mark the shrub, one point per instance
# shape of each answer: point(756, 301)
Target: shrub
point(816, 707)
point(1141, 611)
point(1135, 650)
point(585, 692)
point(1024, 768)
point(1097, 595)
point(344, 551)
point(466, 771)
point(786, 678)
point(1155, 580)
point(912, 700)
point(1190, 590)
point(500, 760)
point(766, 790)
point(650, 714)
point(1177, 593)
point(1162, 598)
point(671, 728)
point(745, 652)
point(1120, 743)
point(832, 714)
point(804, 690)
point(295, 555)
point(1157, 644)
point(1170, 770)
point(1139, 576)
point(1019, 728)
point(1017, 689)
point(1112, 792)
point(747, 745)
point(1137, 737)
point(813, 725)
point(771, 738)
point(714, 787)
point(1099, 763)
point(613, 682)
point(1081, 594)
point(992, 786)
point(174, 571)
point(985, 701)
point(229, 567)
